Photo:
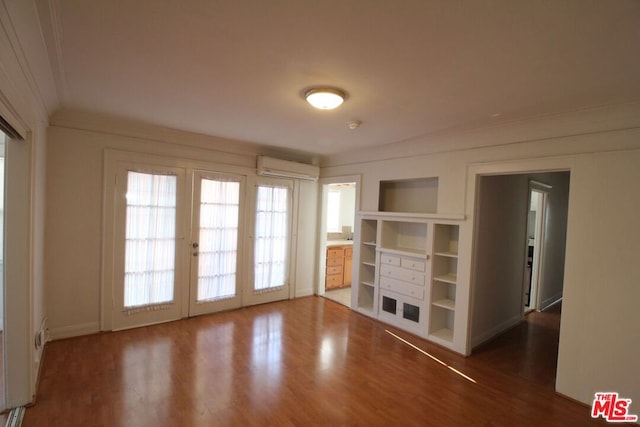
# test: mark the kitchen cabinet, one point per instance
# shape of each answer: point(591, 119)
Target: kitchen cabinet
point(338, 268)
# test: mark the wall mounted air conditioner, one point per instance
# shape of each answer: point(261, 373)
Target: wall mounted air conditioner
point(268, 166)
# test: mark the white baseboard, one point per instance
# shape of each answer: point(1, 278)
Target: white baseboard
point(74, 330)
point(304, 292)
point(496, 330)
point(550, 301)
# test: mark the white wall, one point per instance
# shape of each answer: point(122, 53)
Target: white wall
point(27, 94)
point(556, 236)
point(601, 149)
point(74, 216)
point(501, 229)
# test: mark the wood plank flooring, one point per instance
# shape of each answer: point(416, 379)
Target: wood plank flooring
point(303, 362)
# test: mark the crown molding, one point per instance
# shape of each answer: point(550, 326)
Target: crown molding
point(49, 16)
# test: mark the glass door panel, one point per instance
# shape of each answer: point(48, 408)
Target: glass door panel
point(148, 231)
point(271, 237)
point(215, 242)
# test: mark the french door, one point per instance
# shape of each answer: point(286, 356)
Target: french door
point(177, 242)
point(271, 237)
point(149, 245)
point(216, 242)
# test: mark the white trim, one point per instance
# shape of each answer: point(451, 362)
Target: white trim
point(496, 330)
point(74, 330)
point(549, 302)
point(18, 53)
point(51, 26)
point(474, 171)
point(320, 275)
point(409, 216)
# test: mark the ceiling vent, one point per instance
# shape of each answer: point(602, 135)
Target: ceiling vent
point(268, 166)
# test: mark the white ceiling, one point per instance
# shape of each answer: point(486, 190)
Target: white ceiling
point(237, 69)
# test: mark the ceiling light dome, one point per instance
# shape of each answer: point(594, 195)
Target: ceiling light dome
point(325, 98)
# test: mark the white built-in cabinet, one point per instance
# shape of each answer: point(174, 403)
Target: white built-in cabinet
point(406, 274)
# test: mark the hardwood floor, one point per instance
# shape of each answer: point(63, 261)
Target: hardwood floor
point(304, 362)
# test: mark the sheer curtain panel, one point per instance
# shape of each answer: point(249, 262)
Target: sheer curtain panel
point(150, 240)
point(271, 237)
point(218, 239)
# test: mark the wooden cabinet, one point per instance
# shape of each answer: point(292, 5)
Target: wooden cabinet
point(339, 263)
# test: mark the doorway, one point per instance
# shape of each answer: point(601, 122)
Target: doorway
point(501, 249)
point(536, 243)
point(339, 200)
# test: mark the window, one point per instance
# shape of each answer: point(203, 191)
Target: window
point(333, 211)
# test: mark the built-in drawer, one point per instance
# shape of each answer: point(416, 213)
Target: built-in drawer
point(333, 280)
point(334, 261)
point(402, 274)
point(335, 252)
point(390, 259)
point(403, 288)
point(336, 269)
point(413, 264)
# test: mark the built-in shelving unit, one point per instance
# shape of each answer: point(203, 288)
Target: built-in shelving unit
point(367, 254)
point(408, 274)
point(444, 282)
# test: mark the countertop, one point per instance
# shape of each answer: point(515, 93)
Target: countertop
point(339, 242)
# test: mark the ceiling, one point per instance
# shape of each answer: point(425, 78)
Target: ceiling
point(238, 69)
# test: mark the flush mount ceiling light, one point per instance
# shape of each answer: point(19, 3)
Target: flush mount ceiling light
point(325, 98)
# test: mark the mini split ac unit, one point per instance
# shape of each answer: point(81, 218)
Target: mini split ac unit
point(268, 166)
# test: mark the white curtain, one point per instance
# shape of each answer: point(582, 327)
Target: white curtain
point(271, 237)
point(150, 239)
point(218, 251)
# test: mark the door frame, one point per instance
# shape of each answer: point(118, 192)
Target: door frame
point(19, 352)
point(474, 172)
point(537, 264)
point(322, 222)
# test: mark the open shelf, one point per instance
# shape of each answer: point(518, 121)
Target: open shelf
point(445, 240)
point(445, 303)
point(404, 237)
point(369, 231)
point(447, 278)
point(444, 334)
point(447, 254)
point(368, 254)
point(366, 294)
point(441, 324)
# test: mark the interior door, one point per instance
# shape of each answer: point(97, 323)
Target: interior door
point(270, 237)
point(216, 242)
point(149, 241)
